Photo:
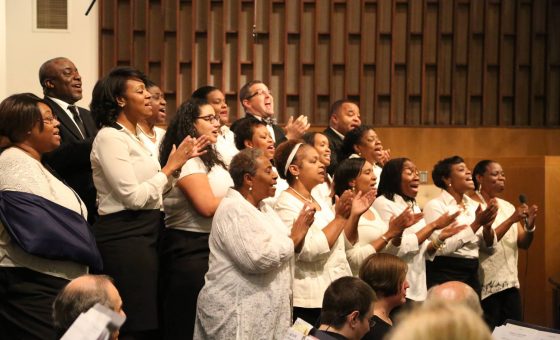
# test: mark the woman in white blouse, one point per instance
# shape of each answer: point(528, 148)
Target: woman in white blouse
point(501, 299)
point(150, 134)
point(364, 142)
point(374, 234)
point(248, 289)
point(321, 143)
point(189, 207)
point(130, 183)
point(397, 192)
point(322, 258)
point(457, 257)
point(30, 283)
point(225, 145)
point(253, 133)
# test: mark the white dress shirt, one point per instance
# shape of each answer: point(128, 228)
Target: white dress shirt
point(64, 105)
point(248, 286)
point(410, 251)
point(317, 265)
point(180, 212)
point(125, 174)
point(465, 243)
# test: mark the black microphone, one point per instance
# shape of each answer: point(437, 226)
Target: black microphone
point(523, 200)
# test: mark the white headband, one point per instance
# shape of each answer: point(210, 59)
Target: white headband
point(291, 158)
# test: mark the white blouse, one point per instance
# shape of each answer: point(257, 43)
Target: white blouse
point(248, 286)
point(498, 268)
point(125, 174)
point(225, 145)
point(410, 251)
point(180, 212)
point(368, 231)
point(465, 243)
point(317, 265)
point(149, 144)
point(20, 172)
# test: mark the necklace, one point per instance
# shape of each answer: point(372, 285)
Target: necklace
point(308, 200)
point(147, 135)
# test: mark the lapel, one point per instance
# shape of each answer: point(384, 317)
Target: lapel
point(88, 122)
point(65, 121)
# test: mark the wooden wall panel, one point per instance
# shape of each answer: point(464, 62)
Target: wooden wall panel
point(406, 62)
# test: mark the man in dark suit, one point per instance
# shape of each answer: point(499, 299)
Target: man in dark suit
point(62, 86)
point(344, 116)
point(258, 103)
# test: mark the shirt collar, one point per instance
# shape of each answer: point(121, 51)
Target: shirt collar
point(337, 133)
point(448, 199)
point(60, 103)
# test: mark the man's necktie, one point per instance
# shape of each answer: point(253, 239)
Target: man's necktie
point(78, 119)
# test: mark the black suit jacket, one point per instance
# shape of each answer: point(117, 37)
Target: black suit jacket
point(335, 144)
point(279, 135)
point(71, 159)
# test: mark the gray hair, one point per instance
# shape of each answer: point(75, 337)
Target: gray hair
point(245, 162)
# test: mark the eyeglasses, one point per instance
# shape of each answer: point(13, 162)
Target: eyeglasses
point(210, 118)
point(50, 120)
point(260, 92)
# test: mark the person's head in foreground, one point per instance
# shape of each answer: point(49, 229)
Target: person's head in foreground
point(441, 321)
point(455, 292)
point(347, 308)
point(80, 295)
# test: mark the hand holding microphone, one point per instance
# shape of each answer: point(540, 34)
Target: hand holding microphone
point(530, 214)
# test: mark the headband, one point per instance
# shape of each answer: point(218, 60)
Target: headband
point(291, 158)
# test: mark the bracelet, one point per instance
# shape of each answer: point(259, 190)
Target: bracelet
point(529, 230)
point(437, 243)
point(385, 239)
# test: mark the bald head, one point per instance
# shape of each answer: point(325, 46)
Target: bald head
point(80, 295)
point(455, 291)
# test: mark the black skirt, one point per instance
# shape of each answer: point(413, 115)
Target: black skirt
point(448, 268)
point(127, 241)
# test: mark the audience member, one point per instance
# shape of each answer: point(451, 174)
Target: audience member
point(62, 87)
point(189, 207)
point(321, 143)
point(130, 184)
point(501, 299)
point(455, 292)
point(347, 310)
point(442, 321)
point(374, 234)
point(29, 283)
point(397, 191)
point(457, 256)
point(79, 296)
point(386, 274)
point(150, 134)
point(322, 258)
point(258, 103)
point(225, 145)
point(344, 116)
point(249, 281)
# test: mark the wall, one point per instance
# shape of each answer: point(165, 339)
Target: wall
point(26, 49)
point(407, 62)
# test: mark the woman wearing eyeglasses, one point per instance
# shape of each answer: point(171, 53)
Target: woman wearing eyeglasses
point(29, 283)
point(386, 274)
point(130, 182)
point(225, 145)
point(189, 207)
